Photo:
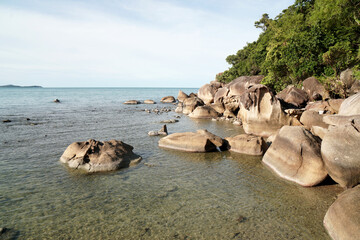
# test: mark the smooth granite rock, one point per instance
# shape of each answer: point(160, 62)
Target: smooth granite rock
point(247, 144)
point(204, 112)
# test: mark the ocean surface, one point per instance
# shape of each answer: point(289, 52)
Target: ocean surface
point(169, 195)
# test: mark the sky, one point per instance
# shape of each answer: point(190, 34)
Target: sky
point(124, 43)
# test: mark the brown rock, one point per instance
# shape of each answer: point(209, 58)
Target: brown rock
point(239, 85)
point(342, 220)
point(219, 107)
point(261, 112)
point(168, 99)
point(132, 102)
point(311, 118)
point(350, 106)
point(188, 142)
point(295, 155)
point(347, 79)
point(204, 112)
point(190, 104)
point(207, 93)
point(182, 96)
point(247, 144)
point(149, 101)
point(293, 96)
point(217, 141)
point(96, 156)
point(314, 89)
point(220, 94)
point(340, 151)
point(319, 131)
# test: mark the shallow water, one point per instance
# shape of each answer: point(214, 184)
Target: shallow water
point(174, 195)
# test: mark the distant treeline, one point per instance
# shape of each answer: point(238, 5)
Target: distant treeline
point(309, 38)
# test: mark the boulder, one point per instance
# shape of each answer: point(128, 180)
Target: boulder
point(179, 108)
point(217, 141)
point(217, 84)
point(314, 89)
point(56, 100)
point(261, 112)
point(220, 94)
point(293, 96)
point(182, 96)
point(204, 112)
point(340, 150)
point(342, 220)
point(148, 101)
point(188, 142)
point(190, 104)
point(163, 131)
point(170, 121)
point(346, 78)
point(355, 88)
point(350, 106)
point(319, 131)
point(168, 99)
point(228, 114)
point(311, 118)
point(232, 103)
point(132, 102)
point(330, 106)
point(239, 85)
point(97, 156)
point(247, 144)
point(295, 155)
point(219, 107)
point(207, 93)
point(192, 95)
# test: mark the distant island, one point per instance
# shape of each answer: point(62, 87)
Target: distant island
point(15, 86)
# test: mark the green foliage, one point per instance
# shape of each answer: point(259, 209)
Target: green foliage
point(310, 37)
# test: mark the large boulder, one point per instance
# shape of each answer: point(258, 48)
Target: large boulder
point(293, 96)
point(247, 144)
point(347, 78)
point(261, 112)
point(189, 104)
point(207, 93)
point(204, 112)
point(168, 99)
point(311, 118)
point(295, 155)
point(97, 156)
point(342, 220)
point(350, 106)
point(219, 107)
point(201, 141)
point(340, 149)
point(220, 94)
point(330, 106)
point(314, 89)
point(239, 85)
point(182, 96)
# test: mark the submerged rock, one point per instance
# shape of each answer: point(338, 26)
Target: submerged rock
point(201, 141)
point(247, 144)
point(97, 156)
point(342, 220)
point(295, 155)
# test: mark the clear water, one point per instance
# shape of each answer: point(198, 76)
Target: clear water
point(181, 196)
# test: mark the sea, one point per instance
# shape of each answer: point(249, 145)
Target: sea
point(169, 195)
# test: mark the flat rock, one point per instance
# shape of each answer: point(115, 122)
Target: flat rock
point(170, 121)
point(188, 142)
point(132, 102)
point(342, 220)
point(148, 101)
point(97, 156)
point(295, 155)
point(340, 151)
point(247, 144)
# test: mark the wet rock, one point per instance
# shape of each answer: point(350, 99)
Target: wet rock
point(132, 102)
point(340, 150)
point(97, 156)
point(148, 101)
point(261, 112)
point(247, 144)
point(293, 96)
point(342, 220)
point(6, 121)
point(56, 100)
point(168, 99)
point(182, 96)
point(204, 112)
point(314, 89)
point(170, 121)
point(188, 142)
point(295, 155)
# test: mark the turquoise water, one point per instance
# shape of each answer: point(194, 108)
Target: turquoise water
point(181, 196)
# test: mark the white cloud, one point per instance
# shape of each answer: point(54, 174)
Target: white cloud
point(137, 43)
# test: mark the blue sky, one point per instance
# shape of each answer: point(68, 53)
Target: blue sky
point(125, 43)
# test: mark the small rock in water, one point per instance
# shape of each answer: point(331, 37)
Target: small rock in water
point(170, 121)
point(6, 121)
point(56, 101)
point(27, 119)
point(163, 131)
point(178, 116)
point(132, 102)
